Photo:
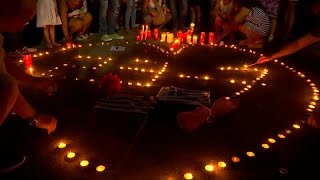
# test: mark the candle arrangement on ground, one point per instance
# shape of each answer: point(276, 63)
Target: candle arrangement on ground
point(157, 64)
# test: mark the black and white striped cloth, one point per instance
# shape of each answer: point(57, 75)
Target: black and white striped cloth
point(258, 21)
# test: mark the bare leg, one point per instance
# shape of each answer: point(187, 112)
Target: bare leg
point(272, 29)
point(290, 17)
point(53, 36)
point(47, 37)
point(86, 19)
point(75, 26)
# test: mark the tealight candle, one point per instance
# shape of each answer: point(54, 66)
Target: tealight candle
point(271, 140)
point(222, 164)
point(232, 81)
point(188, 176)
point(62, 145)
point(265, 146)
point(84, 163)
point(100, 168)
point(250, 154)
point(296, 126)
point(235, 159)
point(281, 136)
point(71, 155)
point(209, 167)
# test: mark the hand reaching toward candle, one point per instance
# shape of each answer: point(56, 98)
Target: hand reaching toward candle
point(46, 122)
point(264, 59)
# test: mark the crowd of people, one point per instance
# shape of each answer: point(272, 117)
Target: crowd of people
point(256, 19)
point(78, 19)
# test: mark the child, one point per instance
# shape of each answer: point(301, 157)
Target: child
point(222, 14)
point(195, 13)
point(253, 21)
point(48, 17)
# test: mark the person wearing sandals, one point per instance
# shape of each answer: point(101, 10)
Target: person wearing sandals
point(108, 13)
point(48, 18)
point(75, 18)
point(13, 16)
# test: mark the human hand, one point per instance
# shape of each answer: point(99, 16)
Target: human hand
point(46, 122)
point(264, 59)
point(223, 106)
point(45, 85)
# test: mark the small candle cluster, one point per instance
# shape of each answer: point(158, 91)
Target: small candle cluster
point(83, 163)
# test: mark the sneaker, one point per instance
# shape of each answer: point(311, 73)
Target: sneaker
point(29, 50)
point(106, 38)
point(11, 162)
point(15, 54)
point(81, 38)
point(116, 36)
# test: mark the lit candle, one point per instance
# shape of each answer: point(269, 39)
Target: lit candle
point(71, 155)
point(62, 145)
point(100, 168)
point(156, 33)
point(271, 140)
point(195, 39)
point(211, 38)
point(202, 37)
point(222, 164)
point(188, 176)
point(138, 38)
point(250, 154)
point(265, 146)
point(296, 126)
point(189, 39)
point(209, 167)
point(84, 163)
point(235, 159)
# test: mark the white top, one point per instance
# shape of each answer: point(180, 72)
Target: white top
point(151, 4)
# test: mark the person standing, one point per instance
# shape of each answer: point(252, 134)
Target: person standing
point(179, 9)
point(130, 15)
point(107, 19)
point(48, 18)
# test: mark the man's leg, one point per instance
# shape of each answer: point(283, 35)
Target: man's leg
point(112, 16)
point(130, 5)
point(174, 13)
point(103, 16)
point(9, 92)
point(183, 13)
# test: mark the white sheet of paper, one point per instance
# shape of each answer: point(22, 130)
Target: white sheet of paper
point(117, 48)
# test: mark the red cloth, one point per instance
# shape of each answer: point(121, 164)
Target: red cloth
point(190, 121)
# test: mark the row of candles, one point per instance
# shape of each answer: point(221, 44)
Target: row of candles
point(188, 37)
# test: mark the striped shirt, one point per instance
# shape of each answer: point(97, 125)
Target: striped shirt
point(258, 21)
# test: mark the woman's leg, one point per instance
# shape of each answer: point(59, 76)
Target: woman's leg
point(86, 20)
point(75, 26)
point(53, 36)
point(47, 36)
point(273, 27)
